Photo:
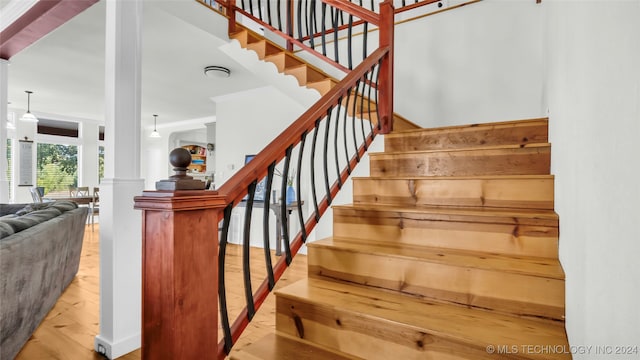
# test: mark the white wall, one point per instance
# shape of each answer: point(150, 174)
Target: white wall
point(479, 63)
point(246, 124)
point(593, 55)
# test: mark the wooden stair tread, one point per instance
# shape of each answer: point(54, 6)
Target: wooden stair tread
point(478, 148)
point(467, 177)
point(458, 128)
point(501, 215)
point(283, 347)
point(458, 324)
point(540, 267)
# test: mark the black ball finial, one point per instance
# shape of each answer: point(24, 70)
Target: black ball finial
point(180, 158)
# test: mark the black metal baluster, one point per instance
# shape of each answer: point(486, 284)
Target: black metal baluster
point(346, 115)
point(251, 7)
point(353, 120)
point(377, 91)
point(349, 43)
point(306, 17)
point(365, 37)
point(283, 205)
point(336, 56)
point(242, 4)
point(269, 13)
point(300, 20)
point(404, 3)
point(326, 155)
point(279, 7)
point(335, 142)
point(303, 229)
point(260, 10)
point(265, 226)
point(246, 260)
point(324, 29)
point(364, 85)
point(222, 295)
point(373, 69)
point(312, 20)
point(313, 172)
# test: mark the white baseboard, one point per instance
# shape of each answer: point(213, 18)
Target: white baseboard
point(113, 350)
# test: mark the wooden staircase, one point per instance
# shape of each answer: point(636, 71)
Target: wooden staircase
point(449, 251)
point(306, 74)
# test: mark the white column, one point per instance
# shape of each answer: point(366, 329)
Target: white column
point(120, 224)
point(4, 81)
point(88, 154)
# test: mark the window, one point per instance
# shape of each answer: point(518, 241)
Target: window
point(57, 167)
point(100, 163)
point(9, 168)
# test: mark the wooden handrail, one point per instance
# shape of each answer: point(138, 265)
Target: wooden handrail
point(234, 189)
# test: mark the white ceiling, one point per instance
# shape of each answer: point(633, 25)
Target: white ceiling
point(65, 69)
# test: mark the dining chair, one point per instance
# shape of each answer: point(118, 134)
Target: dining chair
point(95, 205)
point(35, 195)
point(77, 191)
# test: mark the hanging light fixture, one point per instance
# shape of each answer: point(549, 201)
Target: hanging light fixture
point(155, 133)
point(28, 116)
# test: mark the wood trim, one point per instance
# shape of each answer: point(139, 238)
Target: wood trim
point(179, 272)
point(41, 19)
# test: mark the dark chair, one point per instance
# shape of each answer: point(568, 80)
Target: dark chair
point(35, 195)
point(95, 205)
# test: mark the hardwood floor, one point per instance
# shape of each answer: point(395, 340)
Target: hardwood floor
point(68, 331)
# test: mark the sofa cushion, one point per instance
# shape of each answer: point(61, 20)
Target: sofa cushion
point(41, 216)
point(64, 205)
point(32, 207)
point(20, 223)
point(5, 229)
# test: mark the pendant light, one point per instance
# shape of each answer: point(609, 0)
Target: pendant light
point(155, 133)
point(28, 116)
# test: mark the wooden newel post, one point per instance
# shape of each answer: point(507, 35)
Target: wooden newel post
point(231, 12)
point(179, 273)
point(385, 81)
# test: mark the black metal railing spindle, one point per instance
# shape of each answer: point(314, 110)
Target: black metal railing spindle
point(336, 55)
point(222, 295)
point(362, 111)
point(344, 124)
point(283, 206)
point(324, 29)
point(299, 17)
point(246, 246)
point(353, 119)
point(325, 156)
point(298, 187)
point(335, 142)
point(312, 21)
point(265, 226)
point(313, 171)
point(350, 43)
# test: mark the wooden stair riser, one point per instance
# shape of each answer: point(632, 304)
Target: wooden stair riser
point(530, 237)
point(366, 337)
point(515, 293)
point(304, 74)
point(512, 192)
point(529, 160)
point(322, 86)
point(263, 48)
point(509, 133)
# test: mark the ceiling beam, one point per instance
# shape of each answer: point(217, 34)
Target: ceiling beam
point(42, 18)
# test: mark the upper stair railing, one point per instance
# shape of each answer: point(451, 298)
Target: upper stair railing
point(327, 29)
point(184, 256)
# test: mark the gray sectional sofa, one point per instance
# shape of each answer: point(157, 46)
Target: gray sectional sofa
point(40, 248)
